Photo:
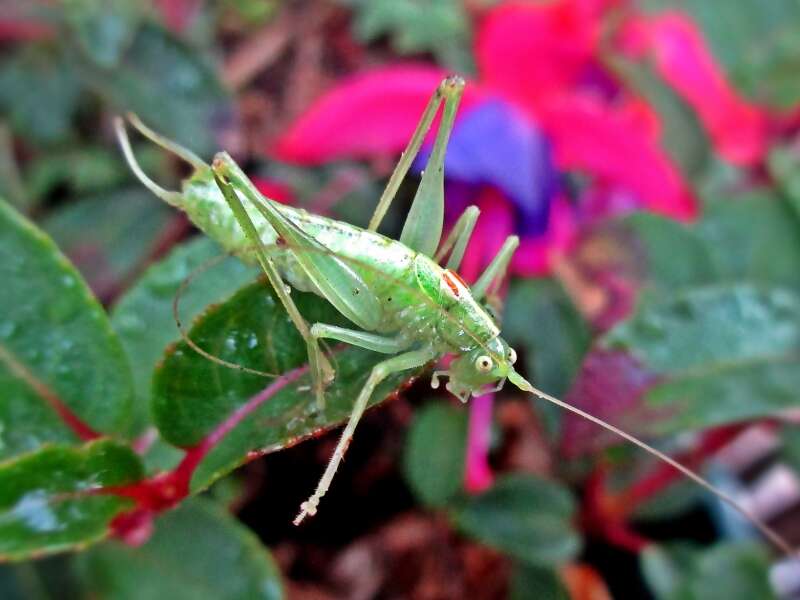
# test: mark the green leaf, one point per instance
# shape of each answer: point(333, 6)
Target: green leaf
point(56, 346)
point(433, 461)
point(39, 94)
point(168, 85)
point(540, 317)
point(103, 28)
point(110, 235)
point(527, 517)
point(723, 572)
point(537, 582)
point(722, 353)
point(81, 170)
point(674, 256)
point(198, 552)
point(756, 238)
point(43, 579)
point(192, 395)
point(143, 316)
point(790, 445)
point(439, 26)
point(784, 163)
point(49, 501)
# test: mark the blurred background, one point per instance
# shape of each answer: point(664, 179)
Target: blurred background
point(644, 151)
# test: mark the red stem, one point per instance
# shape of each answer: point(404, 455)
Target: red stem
point(163, 491)
point(662, 476)
point(605, 514)
point(64, 412)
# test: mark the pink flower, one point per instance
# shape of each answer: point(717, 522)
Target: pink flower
point(737, 128)
point(543, 104)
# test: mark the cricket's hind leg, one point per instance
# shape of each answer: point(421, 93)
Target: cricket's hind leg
point(322, 372)
point(402, 362)
point(423, 227)
point(496, 272)
point(456, 241)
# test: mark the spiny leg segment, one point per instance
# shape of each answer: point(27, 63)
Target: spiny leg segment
point(401, 362)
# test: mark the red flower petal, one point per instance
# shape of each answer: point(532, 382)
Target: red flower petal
point(592, 136)
point(535, 256)
point(177, 14)
point(737, 128)
point(477, 472)
point(494, 225)
point(527, 50)
point(274, 190)
point(365, 115)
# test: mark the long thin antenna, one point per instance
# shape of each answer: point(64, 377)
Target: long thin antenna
point(173, 198)
point(768, 532)
point(185, 335)
point(168, 145)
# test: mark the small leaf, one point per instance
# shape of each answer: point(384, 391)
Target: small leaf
point(783, 163)
point(755, 237)
point(143, 316)
point(721, 354)
point(440, 26)
point(536, 582)
point(58, 353)
point(43, 579)
point(674, 256)
point(192, 395)
point(81, 170)
point(433, 461)
point(168, 85)
point(104, 28)
point(49, 500)
point(39, 93)
point(524, 516)
point(666, 567)
point(197, 551)
point(540, 317)
point(790, 445)
point(723, 572)
point(110, 235)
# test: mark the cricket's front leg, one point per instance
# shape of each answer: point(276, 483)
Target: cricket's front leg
point(402, 362)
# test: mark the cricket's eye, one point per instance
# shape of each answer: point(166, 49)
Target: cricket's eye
point(512, 356)
point(483, 364)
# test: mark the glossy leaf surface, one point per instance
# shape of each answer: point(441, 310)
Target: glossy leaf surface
point(193, 396)
point(196, 552)
point(49, 500)
point(434, 455)
point(58, 353)
point(524, 516)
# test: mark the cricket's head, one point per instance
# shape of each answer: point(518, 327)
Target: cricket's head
point(472, 371)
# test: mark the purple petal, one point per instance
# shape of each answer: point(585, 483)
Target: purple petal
point(495, 144)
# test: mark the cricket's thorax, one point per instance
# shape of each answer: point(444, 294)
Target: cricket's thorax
point(460, 321)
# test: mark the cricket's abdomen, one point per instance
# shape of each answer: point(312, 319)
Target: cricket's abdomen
point(418, 298)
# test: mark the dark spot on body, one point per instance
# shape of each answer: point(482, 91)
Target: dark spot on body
point(280, 241)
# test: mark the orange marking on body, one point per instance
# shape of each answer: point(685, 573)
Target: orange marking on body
point(450, 283)
point(457, 276)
